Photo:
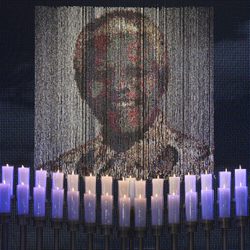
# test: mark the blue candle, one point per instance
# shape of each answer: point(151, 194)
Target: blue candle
point(224, 194)
point(4, 198)
point(89, 207)
point(39, 201)
point(22, 199)
point(241, 196)
point(7, 176)
point(207, 204)
point(224, 199)
point(57, 203)
point(241, 192)
point(73, 205)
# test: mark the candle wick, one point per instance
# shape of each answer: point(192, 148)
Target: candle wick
point(226, 170)
point(7, 164)
point(206, 172)
point(174, 175)
point(239, 166)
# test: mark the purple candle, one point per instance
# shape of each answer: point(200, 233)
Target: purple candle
point(4, 198)
point(57, 203)
point(39, 201)
point(224, 199)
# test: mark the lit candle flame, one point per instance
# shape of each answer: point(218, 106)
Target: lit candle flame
point(89, 192)
point(239, 166)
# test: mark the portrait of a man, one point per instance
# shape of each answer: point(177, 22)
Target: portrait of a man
point(121, 71)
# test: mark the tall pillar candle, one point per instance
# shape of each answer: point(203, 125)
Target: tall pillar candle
point(224, 194)
point(174, 200)
point(90, 184)
point(39, 201)
point(4, 197)
point(131, 184)
point(124, 211)
point(107, 182)
point(191, 199)
point(73, 205)
point(157, 210)
point(157, 186)
point(241, 192)
point(7, 176)
point(123, 187)
point(72, 181)
point(90, 207)
point(140, 188)
point(57, 180)
point(22, 199)
point(24, 176)
point(140, 211)
point(207, 197)
point(107, 209)
point(41, 178)
point(57, 203)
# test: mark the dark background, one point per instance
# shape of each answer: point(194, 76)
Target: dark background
point(231, 80)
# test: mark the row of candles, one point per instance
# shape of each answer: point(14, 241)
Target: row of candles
point(132, 194)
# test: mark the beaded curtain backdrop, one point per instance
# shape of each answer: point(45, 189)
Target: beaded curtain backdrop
point(124, 91)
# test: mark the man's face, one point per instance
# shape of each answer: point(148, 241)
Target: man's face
point(123, 81)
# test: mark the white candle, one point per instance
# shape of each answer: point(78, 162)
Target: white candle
point(240, 177)
point(39, 201)
point(157, 210)
point(191, 206)
point(107, 185)
point(173, 208)
point(72, 181)
point(90, 207)
point(206, 182)
point(23, 175)
point(57, 180)
point(123, 187)
point(7, 176)
point(190, 183)
point(174, 185)
point(107, 209)
point(41, 178)
point(140, 211)
point(73, 205)
point(157, 186)
point(140, 188)
point(4, 197)
point(22, 199)
point(131, 183)
point(57, 203)
point(225, 179)
point(124, 211)
point(90, 184)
